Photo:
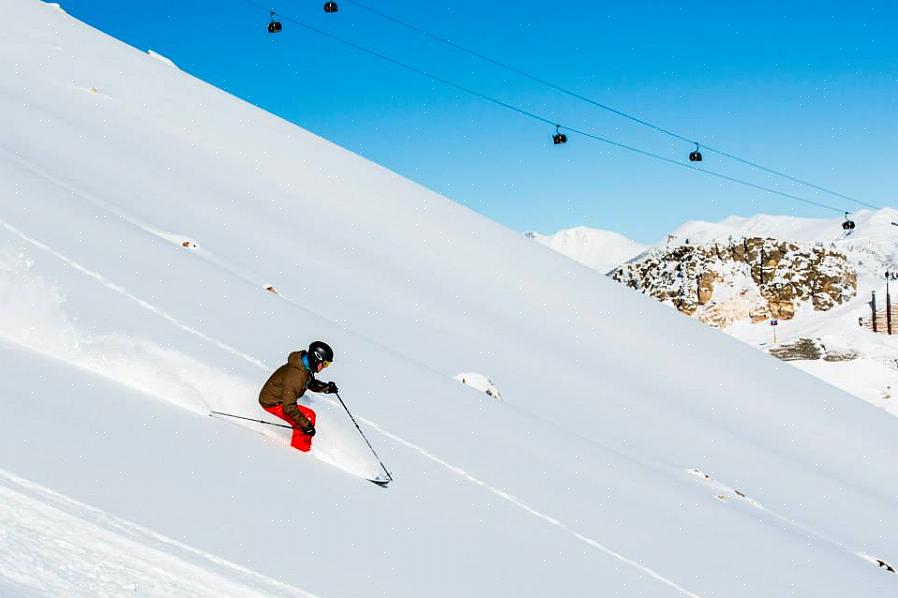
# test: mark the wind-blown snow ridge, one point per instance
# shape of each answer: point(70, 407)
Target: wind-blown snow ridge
point(104, 555)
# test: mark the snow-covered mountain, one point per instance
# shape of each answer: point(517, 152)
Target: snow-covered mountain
point(872, 246)
point(147, 220)
point(595, 248)
point(854, 358)
point(817, 281)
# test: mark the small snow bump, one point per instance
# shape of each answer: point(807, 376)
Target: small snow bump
point(699, 473)
point(163, 59)
point(479, 382)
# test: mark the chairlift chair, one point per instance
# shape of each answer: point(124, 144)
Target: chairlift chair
point(558, 138)
point(695, 156)
point(274, 26)
point(331, 6)
point(848, 224)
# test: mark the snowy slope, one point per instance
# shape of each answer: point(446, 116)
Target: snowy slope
point(117, 340)
point(598, 249)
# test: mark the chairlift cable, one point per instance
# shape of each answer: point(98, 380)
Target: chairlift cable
point(538, 117)
point(712, 173)
point(606, 107)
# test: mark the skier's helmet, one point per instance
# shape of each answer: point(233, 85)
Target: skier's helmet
point(320, 353)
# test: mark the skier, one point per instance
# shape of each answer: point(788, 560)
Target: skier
point(289, 382)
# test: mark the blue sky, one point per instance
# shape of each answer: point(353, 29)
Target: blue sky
point(810, 88)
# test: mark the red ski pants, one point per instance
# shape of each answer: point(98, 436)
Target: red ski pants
point(300, 441)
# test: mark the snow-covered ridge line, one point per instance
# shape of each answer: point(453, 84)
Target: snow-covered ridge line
point(601, 250)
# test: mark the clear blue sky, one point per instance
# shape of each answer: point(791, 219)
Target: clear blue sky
point(807, 87)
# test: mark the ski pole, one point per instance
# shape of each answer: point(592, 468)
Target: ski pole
point(365, 438)
point(249, 419)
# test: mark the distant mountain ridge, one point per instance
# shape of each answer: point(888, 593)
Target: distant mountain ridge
point(601, 250)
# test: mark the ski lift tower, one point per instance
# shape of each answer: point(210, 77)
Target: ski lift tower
point(890, 275)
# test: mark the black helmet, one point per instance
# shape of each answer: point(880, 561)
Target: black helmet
point(320, 352)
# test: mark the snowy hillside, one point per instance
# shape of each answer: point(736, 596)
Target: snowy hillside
point(598, 249)
point(144, 214)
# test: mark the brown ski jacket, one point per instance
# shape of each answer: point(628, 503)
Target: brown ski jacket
point(287, 384)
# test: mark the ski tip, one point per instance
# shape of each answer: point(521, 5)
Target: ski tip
point(381, 483)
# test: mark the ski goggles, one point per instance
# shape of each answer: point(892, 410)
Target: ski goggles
point(325, 364)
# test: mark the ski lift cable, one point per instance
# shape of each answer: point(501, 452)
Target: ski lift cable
point(712, 173)
point(606, 107)
point(538, 117)
point(790, 177)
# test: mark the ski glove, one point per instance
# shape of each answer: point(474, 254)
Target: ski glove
point(308, 428)
point(316, 385)
point(331, 388)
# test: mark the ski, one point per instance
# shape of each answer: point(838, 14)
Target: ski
point(383, 483)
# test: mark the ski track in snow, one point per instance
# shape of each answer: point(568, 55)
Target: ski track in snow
point(420, 450)
point(517, 502)
point(124, 292)
point(455, 470)
point(88, 552)
point(527, 508)
point(728, 492)
point(171, 238)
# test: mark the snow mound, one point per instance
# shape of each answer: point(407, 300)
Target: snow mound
point(162, 59)
point(479, 382)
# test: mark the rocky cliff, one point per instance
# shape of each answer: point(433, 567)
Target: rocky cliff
point(747, 279)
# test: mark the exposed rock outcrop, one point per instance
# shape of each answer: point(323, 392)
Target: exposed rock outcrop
point(751, 279)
